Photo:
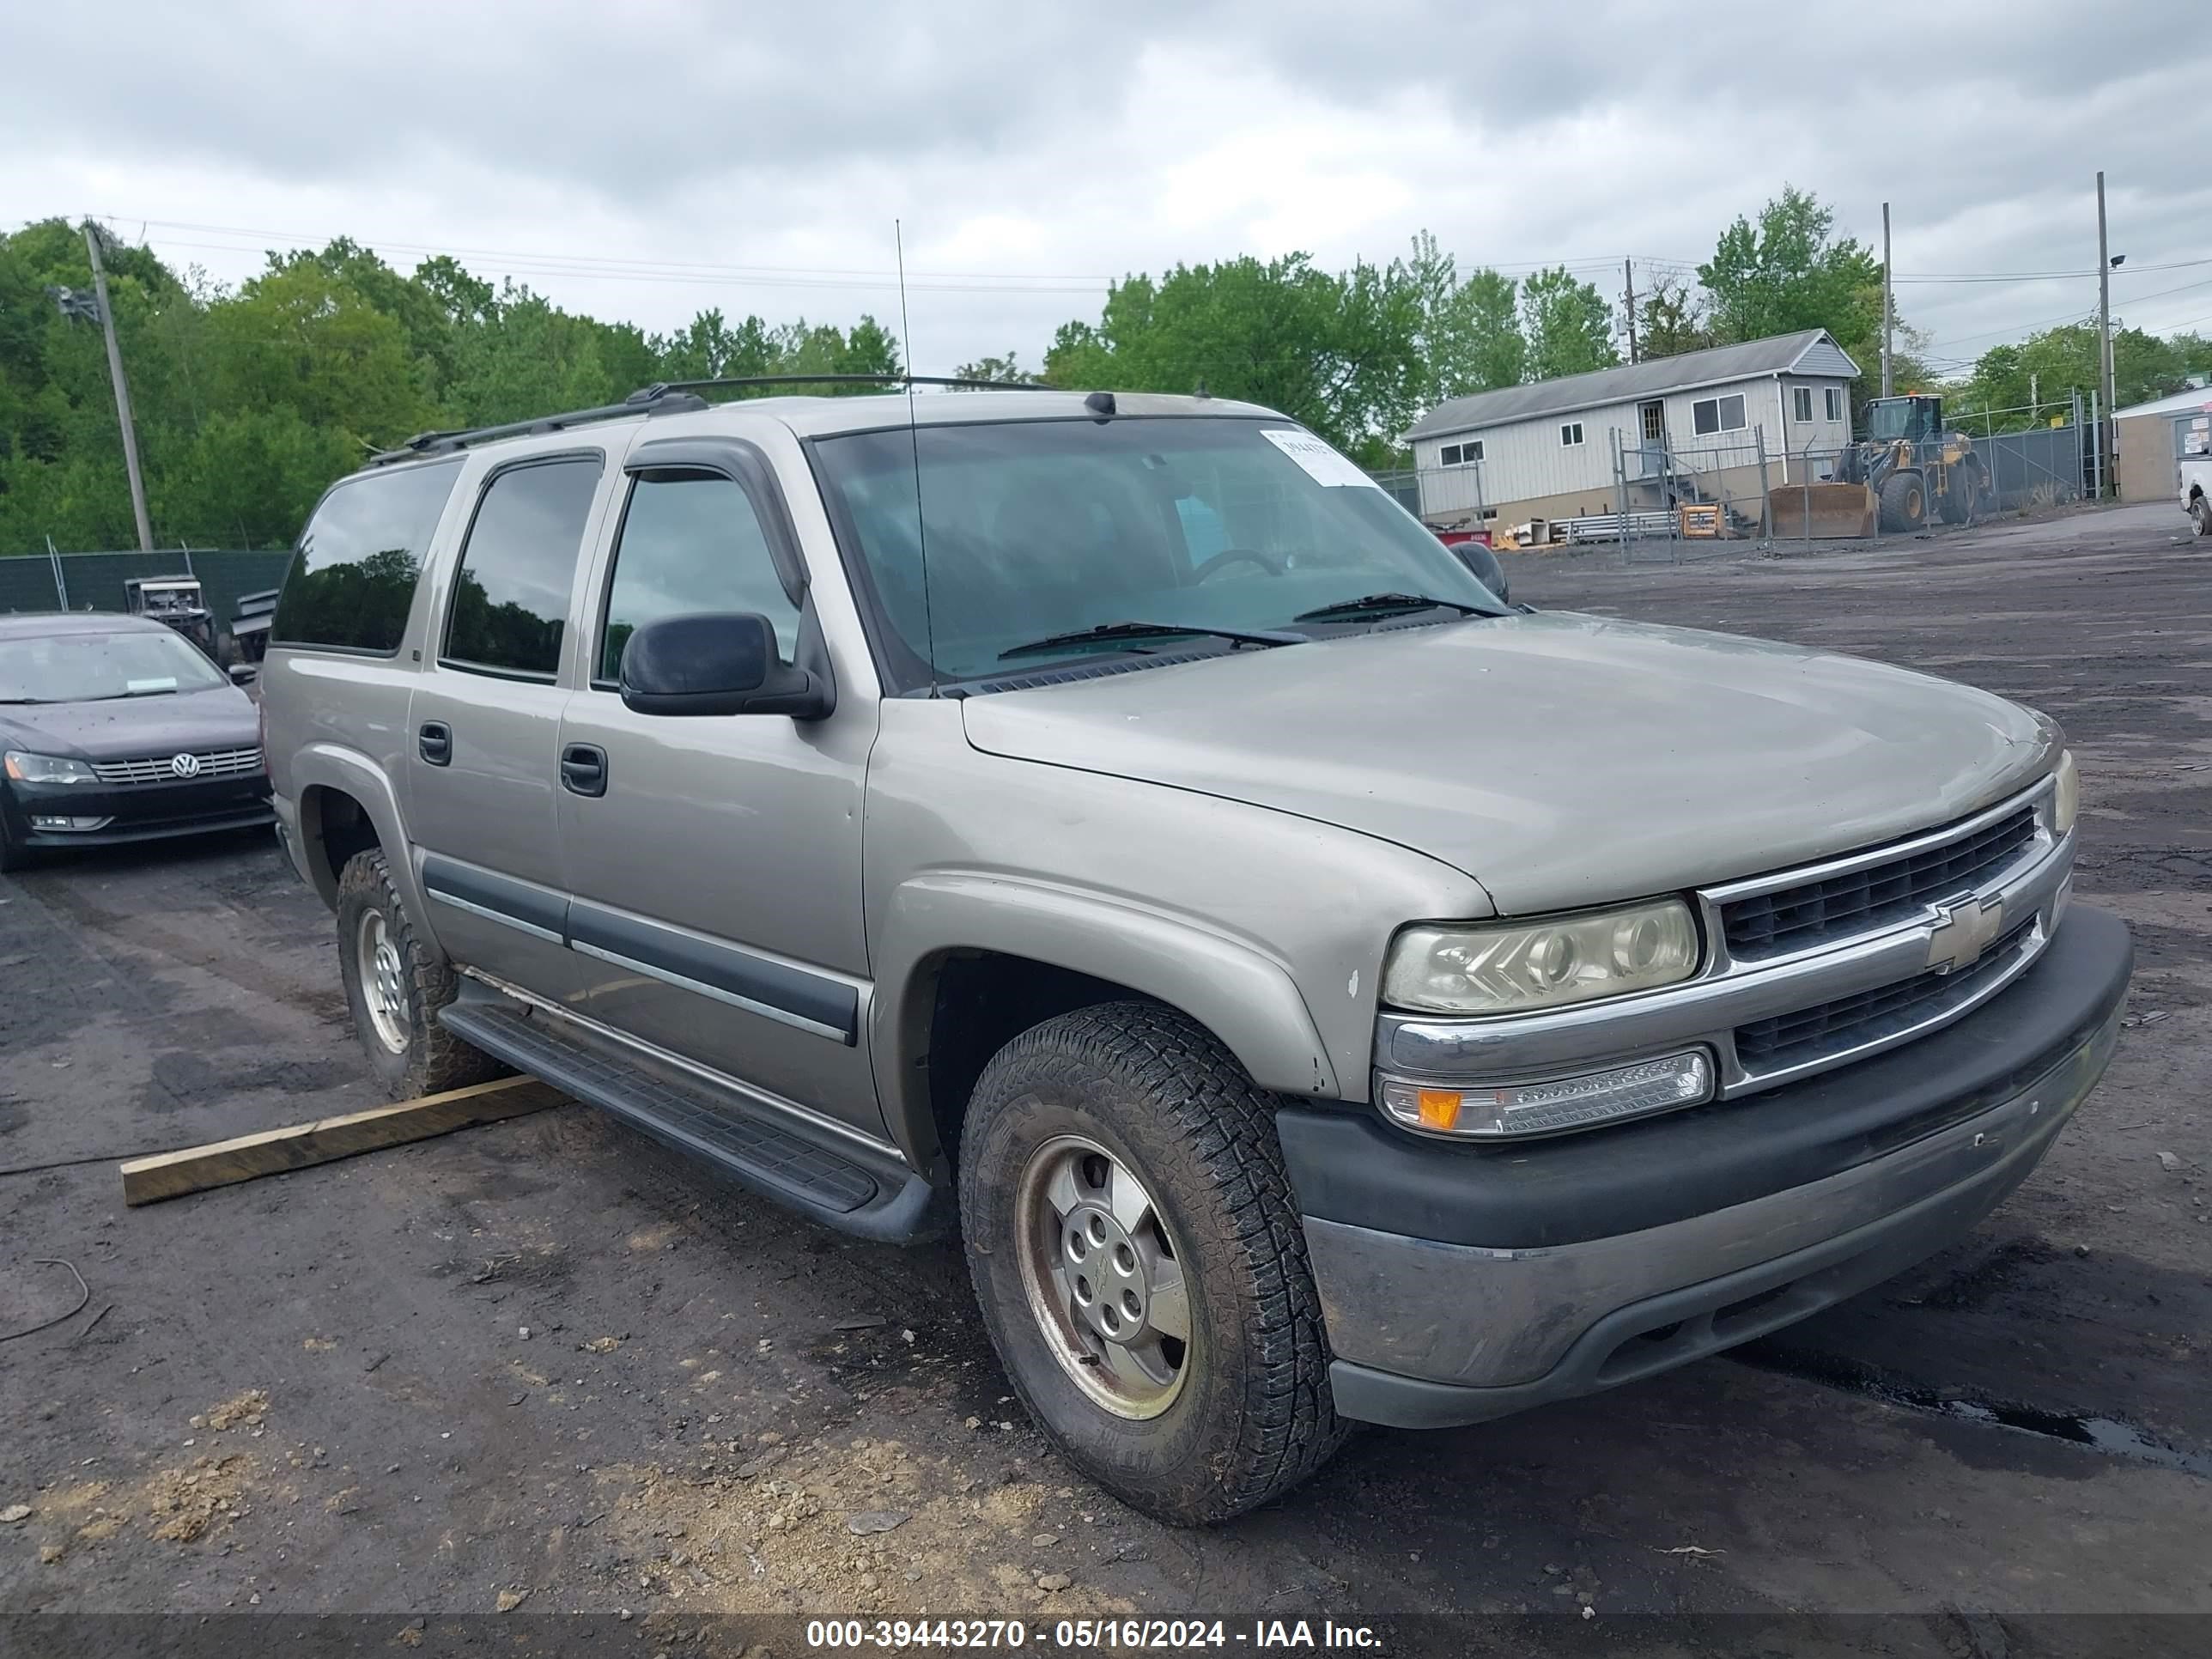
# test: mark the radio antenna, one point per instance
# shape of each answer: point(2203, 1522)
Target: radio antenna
point(914, 445)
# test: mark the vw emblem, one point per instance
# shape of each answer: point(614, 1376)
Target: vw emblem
point(184, 766)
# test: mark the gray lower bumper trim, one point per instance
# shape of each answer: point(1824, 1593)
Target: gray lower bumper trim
point(1428, 1335)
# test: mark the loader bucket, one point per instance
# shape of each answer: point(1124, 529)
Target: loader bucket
point(1822, 512)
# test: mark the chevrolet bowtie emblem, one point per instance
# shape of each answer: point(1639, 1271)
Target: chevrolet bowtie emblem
point(1963, 931)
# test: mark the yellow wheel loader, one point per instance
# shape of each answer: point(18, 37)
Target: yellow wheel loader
point(1907, 468)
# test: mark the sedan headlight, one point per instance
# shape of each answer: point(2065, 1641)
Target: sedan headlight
point(48, 769)
point(2065, 794)
point(1522, 967)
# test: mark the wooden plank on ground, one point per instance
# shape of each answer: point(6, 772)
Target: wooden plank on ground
point(272, 1152)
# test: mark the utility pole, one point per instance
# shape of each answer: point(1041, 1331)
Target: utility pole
point(1888, 309)
point(2104, 343)
point(1628, 271)
point(122, 392)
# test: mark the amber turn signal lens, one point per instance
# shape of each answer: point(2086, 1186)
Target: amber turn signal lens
point(1439, 1108)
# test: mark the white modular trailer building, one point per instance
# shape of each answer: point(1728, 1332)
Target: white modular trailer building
point(1547, 450)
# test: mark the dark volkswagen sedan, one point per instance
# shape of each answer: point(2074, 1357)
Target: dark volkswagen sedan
point(115, 729)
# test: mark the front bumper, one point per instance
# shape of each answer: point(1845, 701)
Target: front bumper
point(1462, 1284)
point(143, 812)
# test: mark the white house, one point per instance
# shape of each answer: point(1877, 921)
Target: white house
point(1689, 427)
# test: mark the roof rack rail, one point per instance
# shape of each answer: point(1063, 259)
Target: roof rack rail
point(664, 387)
point(648, 400)
point(665, 398)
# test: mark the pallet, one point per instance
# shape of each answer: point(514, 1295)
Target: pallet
point(273, 1151)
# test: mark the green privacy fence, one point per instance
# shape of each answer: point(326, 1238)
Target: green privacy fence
point(94, 582)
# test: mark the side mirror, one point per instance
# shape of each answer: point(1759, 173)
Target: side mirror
point(244, 673)
point(719, 663)
point(1483, 564)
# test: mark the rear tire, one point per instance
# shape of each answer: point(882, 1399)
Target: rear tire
point(1904, 503)
point(1132, 1114)
point(395, 984)
point(2200, 513)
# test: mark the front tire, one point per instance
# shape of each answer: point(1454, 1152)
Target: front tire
point(395, 984)
point(2200, 515)
point(14, 856)
point(1132, 1239)
point(1904, 503)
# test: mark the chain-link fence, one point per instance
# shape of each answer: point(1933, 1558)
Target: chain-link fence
point(95, 581)
point(1661, 501)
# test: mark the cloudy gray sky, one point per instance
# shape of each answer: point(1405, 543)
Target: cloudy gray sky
point(646, 160)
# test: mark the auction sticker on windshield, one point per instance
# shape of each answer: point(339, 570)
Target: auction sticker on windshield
point(1322, 463)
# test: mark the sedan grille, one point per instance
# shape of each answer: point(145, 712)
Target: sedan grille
point(163, 768)
point(1837, 1027)
point(1841, 907)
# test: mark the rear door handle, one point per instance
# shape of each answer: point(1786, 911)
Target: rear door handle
point(584, 769)
point(434, 742)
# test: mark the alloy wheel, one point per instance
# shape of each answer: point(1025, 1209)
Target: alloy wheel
point(1104, 1277)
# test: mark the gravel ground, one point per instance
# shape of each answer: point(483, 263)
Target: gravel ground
point(546, 1359)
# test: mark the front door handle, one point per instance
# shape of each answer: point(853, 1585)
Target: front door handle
point(435, 743)
point(584, 769)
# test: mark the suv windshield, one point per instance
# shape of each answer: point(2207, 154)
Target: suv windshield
point(91, 667)
point(1035, 530)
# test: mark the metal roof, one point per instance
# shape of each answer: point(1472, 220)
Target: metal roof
point(1778, 354)
point(2187, 401)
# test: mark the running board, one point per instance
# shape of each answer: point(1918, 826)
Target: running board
point(836, 1185)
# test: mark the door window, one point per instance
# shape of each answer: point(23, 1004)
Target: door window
point(691, 542)
point(511, 598)
point(353, 575)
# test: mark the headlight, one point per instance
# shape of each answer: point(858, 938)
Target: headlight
point(1512, 968)
point(48, 769)
point(2066, 795)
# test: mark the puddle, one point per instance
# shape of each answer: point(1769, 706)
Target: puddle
point(2104, 1434)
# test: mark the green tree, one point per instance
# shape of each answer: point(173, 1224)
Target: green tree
point(1469, 337)
point(1670, 320)
point(1004, 371)
point(1568, 326)
point(1336, 352)
point(1790, 271)
point(2053, 365)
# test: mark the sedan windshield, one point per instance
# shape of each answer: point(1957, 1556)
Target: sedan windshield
point(1035, 533)
point(92, 667)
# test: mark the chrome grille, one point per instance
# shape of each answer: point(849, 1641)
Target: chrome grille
point(1860, 901)
point(1844, 1023)
point(162, 768)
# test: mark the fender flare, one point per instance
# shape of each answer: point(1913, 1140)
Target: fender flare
point(1245, 997)
point(333, 766)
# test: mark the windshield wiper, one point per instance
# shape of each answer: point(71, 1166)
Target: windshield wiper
point(1344, 609)
point(1107, 632)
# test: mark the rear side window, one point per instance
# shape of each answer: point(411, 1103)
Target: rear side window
point(511, 598)
point(690, 543)
point(353, 574)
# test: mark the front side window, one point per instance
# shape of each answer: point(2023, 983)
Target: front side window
point(691, 542)
point(1029, 530)
point(352, 577)
point(102, 667)
point(511, 597)
point(1801, 400)
point(1711, 415)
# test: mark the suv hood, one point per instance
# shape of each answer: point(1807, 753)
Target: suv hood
point(1560, 760)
